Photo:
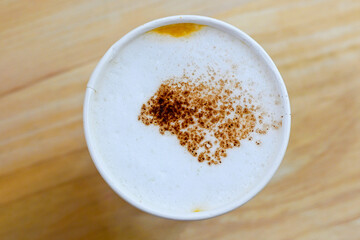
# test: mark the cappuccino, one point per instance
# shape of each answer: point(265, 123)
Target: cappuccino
point(187, 119)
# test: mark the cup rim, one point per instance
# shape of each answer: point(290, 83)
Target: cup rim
point(173, 20)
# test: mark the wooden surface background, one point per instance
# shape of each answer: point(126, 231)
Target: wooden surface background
point(49, 187)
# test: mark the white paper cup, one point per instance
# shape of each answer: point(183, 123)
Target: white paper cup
point(99, 163)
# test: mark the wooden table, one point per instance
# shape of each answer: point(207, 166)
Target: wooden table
point(49, 187)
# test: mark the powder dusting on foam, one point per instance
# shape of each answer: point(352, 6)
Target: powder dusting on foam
point(211, 97)
point(208, 114)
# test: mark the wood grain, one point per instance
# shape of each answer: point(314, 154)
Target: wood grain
point(49, 187)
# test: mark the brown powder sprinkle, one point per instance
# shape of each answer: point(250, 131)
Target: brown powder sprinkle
point(178, 29)
point(204, 113)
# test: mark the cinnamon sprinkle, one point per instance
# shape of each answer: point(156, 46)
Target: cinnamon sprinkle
point(207, 115)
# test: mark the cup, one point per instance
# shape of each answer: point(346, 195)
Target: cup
point(99, 163)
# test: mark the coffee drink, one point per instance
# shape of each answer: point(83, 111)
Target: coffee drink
point(187, 118)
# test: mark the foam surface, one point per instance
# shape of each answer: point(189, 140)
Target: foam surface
point(154, 169)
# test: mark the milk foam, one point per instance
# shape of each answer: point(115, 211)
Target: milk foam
point(153, 169)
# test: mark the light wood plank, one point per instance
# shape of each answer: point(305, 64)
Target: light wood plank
point(49, 187)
